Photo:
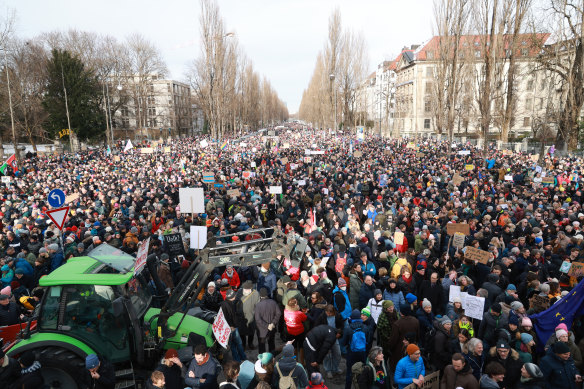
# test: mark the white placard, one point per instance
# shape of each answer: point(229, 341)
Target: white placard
point(509, 178)
point(464, 152)
point(318, 152)
point(204, 143)
point(141, 257)
point(253, 164)
point(221, 329)
point(192, 200)
point(454, 292)
point(254, 149)
point(275, 189)
point(198, 237)
point(129, 146)
point(6, 179)
point(302, 182)
point(307, 152)
point(243, 144)
point(474, 307)
point(314, 146)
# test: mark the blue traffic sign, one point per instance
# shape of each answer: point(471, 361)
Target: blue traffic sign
point(56, 198)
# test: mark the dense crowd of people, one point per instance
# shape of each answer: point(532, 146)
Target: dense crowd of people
point(371, 300)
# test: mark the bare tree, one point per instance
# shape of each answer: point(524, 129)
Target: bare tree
point(6, 34)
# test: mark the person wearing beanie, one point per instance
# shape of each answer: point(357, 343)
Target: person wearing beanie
point(385, 323)
point(526, 347)
point(288, 365)
point(433, 291)
point(493, 320)
point(367, 267)
point(406, 324)
point(212, 298)
point(375, 305)
point(171, 368)
point(98, 373)
point(267, 316)
point(229, 308)
point(503, 354)
point(356, 338)
point(531, 377)
point(316, 382)
point(558, 368)
point(341, 300)
point(410, 369)
point(561, 335)
point(440, 343)
point(426, 318)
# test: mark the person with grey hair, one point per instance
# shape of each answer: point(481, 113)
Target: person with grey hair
point(55, 255)
point(476, 357)
point(375, 372)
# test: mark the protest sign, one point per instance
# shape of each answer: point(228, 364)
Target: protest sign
point(307, 152)
point(167, 149)
point(565, 268)
point(147, 150)
point(476, 254)
point(318, 152)
point(357, 154)
point(576, 270)
point(310, 170)
point(548, 180)
point(233, 193)
point(454, 292)
point(452, 228)
point(246, 175)
point(286, 146)
point(307, 159)
point(208, 177)
point(474, 306)
point(141, 257)
point(509, 177)
point(71, 197)
point(204, 143)
point(198, 237)
point(398, 237)
point(420, 155)
point(6, 179)
point(411, 146)
point(221, 329)
point(301, 182)
point(431, 381)
point(284, 160)
point(458, 240)
point(464, 152)
point(457, 179)
point(117, 158)
point(534, 157)
point(243, 144)
point(276, 189)
point(191, 200)
point(469, 167)
point(253, 164)
point(174, 245)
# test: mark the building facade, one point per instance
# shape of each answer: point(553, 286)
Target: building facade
point(375, 98)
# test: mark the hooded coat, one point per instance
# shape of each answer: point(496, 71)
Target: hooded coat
point(452, 379)
point(512, 365)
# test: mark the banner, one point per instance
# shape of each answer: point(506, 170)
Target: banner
point(221, 329)
point(431, 381)
point(174, 245)
point(129, 146)
point(141, 257)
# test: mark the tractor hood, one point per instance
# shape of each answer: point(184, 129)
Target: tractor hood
point(189, 324)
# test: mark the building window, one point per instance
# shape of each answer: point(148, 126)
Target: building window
point(524, 52)
point(526, 121)
point(429, 71)
point(428, 105)
point(426, 124)
point(528, 104)
point(124, 111)
point(168, 86)
point(530, 85)
point(428, 87)
point(429, 54)
point(477, 54)
point(125, 122)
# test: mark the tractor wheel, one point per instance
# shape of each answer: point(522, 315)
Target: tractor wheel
point(60, 368)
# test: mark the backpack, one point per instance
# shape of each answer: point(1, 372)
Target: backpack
point(358, 341)
point(286, 382)
point(357, 369)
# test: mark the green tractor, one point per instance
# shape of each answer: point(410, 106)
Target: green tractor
point(97, 304)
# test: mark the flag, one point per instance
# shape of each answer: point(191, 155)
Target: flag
point(10, 161)
point(563, 311)
point(129, 146)
point(108, 151)
point(224, 145)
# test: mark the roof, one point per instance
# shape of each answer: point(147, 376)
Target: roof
point(533, 42)
point(83, 271)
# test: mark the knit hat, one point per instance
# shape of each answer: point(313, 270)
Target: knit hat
point(513, 319)
point(366, 311)
point(412, 348)
point(515, 305)
point(342, 282)
point(247, 285)
point(561, 348)
point(511, 287)
point(426, 303)
point(562, 326)
point(91, 361)
point(526, 338)
point(316, 378)
point(355, 315)
point(386, 304)
point(7, 291)
point(503, 344)
point(410, 298)
point(496, 308)
point(533, 370)
point(526, 322)
point(170, 353)
point(544, 289)
point(376, 292)
point(259, 368)
point(288, 350)
point(445, 320)
point(211, 284)
point(456, 300)
point(561, 332)
point(265, 358)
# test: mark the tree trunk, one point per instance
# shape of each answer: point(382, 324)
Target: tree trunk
point(567, 136)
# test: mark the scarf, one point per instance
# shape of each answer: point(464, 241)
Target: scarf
point(407, 280)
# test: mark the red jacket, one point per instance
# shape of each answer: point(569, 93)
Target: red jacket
point(233, 280)
point(294, 320)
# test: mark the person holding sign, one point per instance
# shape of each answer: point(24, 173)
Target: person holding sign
point(410, 369)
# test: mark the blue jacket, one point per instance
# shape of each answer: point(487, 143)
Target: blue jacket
point(268, 281)
point(397, 298)
point(21, 263)
point(406, 370)
point(57, 260)
point(346, 312)
point(207, 370)
point(369, 269)
point(558, 373)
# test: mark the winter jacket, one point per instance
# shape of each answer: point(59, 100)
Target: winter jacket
point(434, 294)
point(341, 302)
point(487, 382)
point(493, 289)
point(294, 319)
point(107, 377)
point(57, 260)
point(512, 365)
point(558, 374)
point(476, 363)
point(266, 312)
point(9, 372)
point(365, 294)
point(452, 379)
point(212, 302)
point(397, 298)
point(384, 329)
point(320, 340)
point(172, 375)
point(489, 326)
point(9, 314)
point(442, 352)
point(268, 281)
point(426, 321)
point(355, 281)
point(375, 308)
point(373, 377)
point(287, 365)
point(399, 330)
point(234, 281)
point(534, 383)
point(247, 304)
point(368, 269)
point(406, 370)
point(206, 370)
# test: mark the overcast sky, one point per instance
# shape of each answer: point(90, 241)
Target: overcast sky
point(281, 37)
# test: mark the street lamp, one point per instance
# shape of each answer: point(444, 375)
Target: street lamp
point(11, 110)
point(332, 79)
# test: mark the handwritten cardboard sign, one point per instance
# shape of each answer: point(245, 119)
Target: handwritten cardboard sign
point(576, 270)
point(469, 167)
point(474, 306)
point(565, 268)
point(221, 329)
point(476, 254)
point(548, 180)
point(458, 240)
point(233, 193)
point(284, 160)
point(357, 154)
point(147, 150)
point(457, 179)
point(431, 381)
point(453, 228)
point(398, 237)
